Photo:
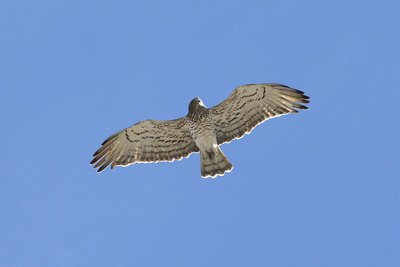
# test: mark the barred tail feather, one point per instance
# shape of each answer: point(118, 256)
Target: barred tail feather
point(213, 165)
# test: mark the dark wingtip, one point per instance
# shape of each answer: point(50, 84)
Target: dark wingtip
point(105, 141)
point(283, 85)
point(102, 168)
point(303, 107)
point(93, 161)
point(110, 138)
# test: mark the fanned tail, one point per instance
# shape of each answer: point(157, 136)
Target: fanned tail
point(214, 164)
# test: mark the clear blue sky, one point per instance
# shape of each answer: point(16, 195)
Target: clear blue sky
point(320, 188)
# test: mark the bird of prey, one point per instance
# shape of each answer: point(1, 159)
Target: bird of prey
point(201, 130)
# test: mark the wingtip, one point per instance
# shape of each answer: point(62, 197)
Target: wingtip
point(110, 138)
point(301, 107)
point(102, 168)
point(105, 141)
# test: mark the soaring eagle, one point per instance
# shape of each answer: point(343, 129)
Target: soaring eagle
point(201, 130)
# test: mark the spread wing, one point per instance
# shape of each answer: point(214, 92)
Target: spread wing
point(146, 141)
point(250, 105)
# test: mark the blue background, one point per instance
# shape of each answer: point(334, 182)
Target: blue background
point(320, 188)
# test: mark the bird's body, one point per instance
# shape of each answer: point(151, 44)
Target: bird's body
point(200, 125)
point(201, 130)
point(200, 121)
point(203, 134)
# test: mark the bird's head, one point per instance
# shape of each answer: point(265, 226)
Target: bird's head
point(195, 105)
